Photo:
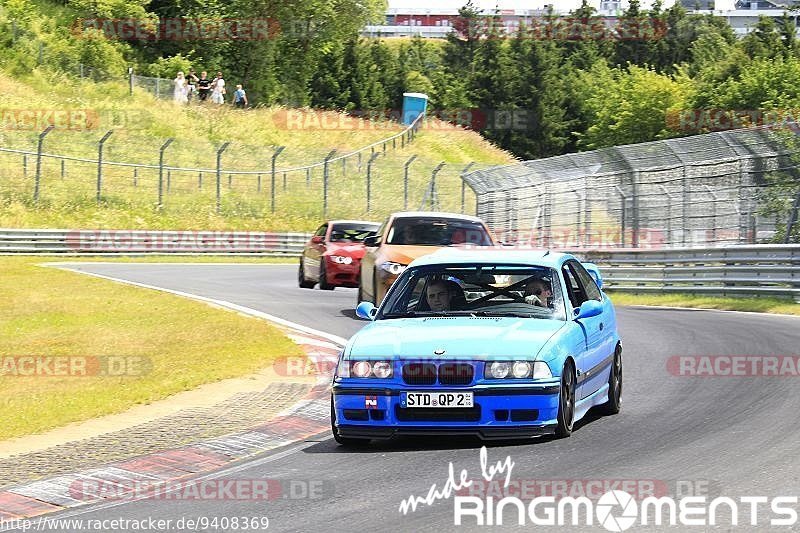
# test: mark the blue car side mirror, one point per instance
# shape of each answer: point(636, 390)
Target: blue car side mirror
point(366, 311)
point(588, 309)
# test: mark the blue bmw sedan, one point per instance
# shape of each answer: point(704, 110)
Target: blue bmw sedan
point(487, 342)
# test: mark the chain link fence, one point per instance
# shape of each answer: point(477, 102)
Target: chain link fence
point(62, 168)
point(688, 192)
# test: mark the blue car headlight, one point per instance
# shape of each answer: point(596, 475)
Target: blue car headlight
point(517, 369)
point(366, 369)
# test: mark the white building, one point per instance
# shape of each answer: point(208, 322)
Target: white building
point(434, 18)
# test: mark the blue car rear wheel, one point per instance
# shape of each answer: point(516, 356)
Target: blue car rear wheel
point(612, 406)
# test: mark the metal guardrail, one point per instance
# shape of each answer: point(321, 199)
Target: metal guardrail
point(759, 270)
point(144, 242)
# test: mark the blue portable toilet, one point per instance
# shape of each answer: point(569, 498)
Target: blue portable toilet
point(414, 105)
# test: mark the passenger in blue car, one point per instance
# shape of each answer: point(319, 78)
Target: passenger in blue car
point(539, 292)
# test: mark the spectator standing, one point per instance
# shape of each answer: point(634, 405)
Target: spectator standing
point(240, 97)
point(218, 89)
point(191, 80)
point(203, 86)
point(181, 89)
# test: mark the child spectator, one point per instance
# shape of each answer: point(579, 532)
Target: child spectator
point(240, 97)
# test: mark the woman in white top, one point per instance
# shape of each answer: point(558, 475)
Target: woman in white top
point(218, 89)
point(180, 94)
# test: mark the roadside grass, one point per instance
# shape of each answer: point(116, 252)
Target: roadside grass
point(783, 306)
point(141, 123)
point(50, 312)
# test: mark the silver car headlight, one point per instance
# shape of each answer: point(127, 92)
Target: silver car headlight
point(341, 259)
point(517, 370)
point(498, 370)
point(393, 268)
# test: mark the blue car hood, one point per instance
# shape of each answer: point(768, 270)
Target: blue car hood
point(459, 337)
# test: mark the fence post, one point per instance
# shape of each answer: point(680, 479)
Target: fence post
point(434, 197)
point(624, 207)
point(130, 81)
point(325, 183)
point(63, 169)
point(405, 181)
point(100, 163)
point(464, 184)
point(25, 165)
point(135, 177)
point(259, 183)
point(158, 88)
point(685, 207)
point(308, 177)
point(200, 181)
point(714, 198)
point(369, 178)
point(792, 219)
point(578, 240)
point(219, 174)
point(230, 181)
point(275, 155)
point(284, 182)
point(635, 209)
point(161, 171)
point(38, 177)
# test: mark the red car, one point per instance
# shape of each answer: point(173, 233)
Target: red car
point(332, 257)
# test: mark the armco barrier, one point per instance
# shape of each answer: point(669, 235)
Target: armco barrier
point(757, 270)
point(143, 242)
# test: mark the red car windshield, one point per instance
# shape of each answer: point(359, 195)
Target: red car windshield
point(352, 232)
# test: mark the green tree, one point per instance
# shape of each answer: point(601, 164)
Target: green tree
point(631, 105)
point(764, 40)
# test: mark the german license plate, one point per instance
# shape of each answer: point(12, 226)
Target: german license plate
point(435, 399)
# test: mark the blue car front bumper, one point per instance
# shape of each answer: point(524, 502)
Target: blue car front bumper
point(498, 412)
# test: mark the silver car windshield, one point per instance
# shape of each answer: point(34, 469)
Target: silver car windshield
point(480, 290)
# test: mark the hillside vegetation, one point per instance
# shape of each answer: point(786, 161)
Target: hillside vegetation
point(142, 123)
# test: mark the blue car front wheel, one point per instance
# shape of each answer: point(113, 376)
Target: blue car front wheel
point(566, 402)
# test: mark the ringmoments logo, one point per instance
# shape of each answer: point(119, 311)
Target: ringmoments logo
point(617, 510)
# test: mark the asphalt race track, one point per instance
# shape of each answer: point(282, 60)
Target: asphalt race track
point(735, 436)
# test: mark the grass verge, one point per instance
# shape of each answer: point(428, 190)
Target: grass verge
point(181, 344)
point(758, 305)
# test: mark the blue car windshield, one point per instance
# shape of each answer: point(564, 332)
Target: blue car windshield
point(476, 290)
